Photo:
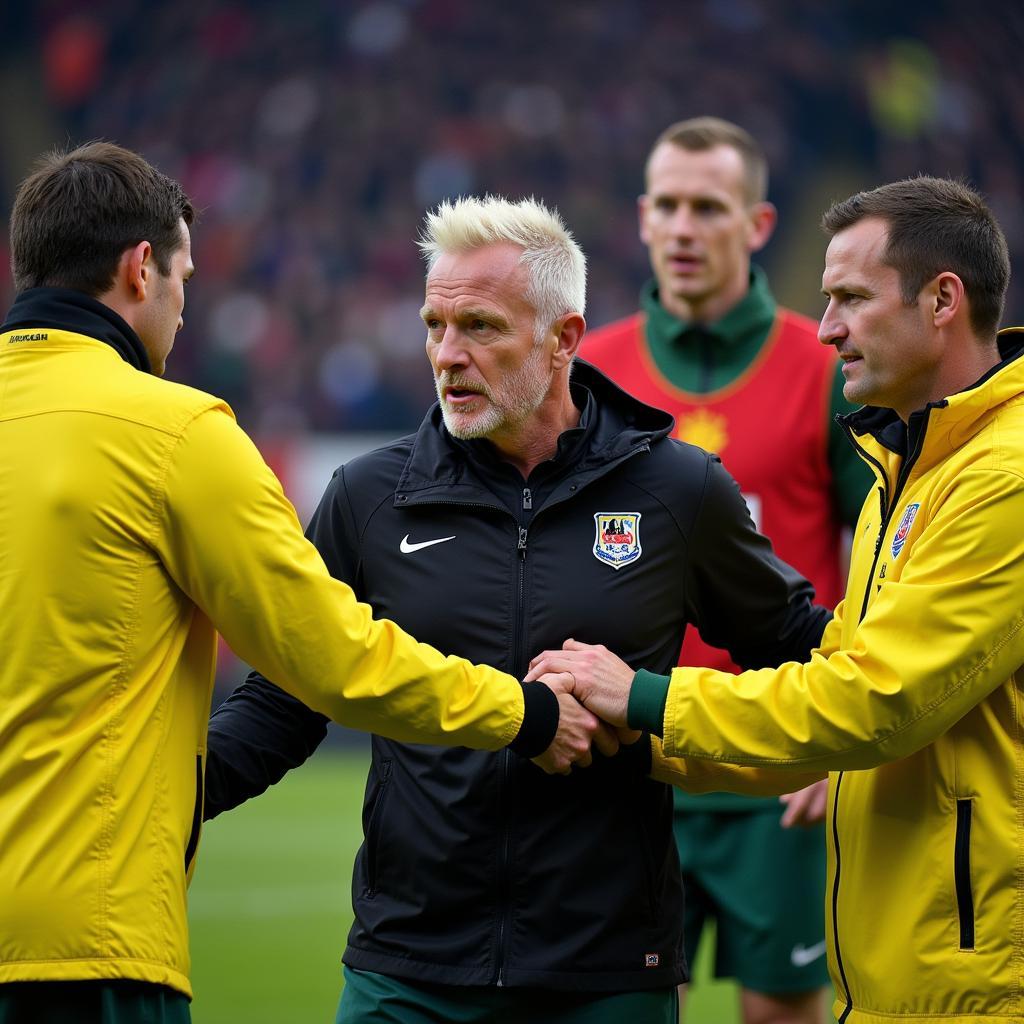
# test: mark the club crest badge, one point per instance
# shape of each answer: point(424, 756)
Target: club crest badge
point(909, 515)
point(618, 538)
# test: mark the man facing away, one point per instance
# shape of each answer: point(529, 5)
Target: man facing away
point(135, 517)
point(535, 498)
point(748, 380)
point(914, 700)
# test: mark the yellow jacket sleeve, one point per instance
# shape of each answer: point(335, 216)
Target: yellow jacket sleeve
point(231, 540)
point(699, 775)
point(932, 644)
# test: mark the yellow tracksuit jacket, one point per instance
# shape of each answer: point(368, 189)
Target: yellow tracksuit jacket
point(914, 704)
point(135, 517)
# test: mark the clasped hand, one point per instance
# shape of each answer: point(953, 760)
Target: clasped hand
point(592, 687)
point(600, 681)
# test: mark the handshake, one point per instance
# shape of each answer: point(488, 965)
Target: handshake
point(592, 687)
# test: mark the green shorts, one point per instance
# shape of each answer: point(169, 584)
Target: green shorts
point(91, 1002)
point(764, 887)
point(371, 998)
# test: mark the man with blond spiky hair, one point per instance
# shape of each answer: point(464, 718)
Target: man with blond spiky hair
point(536, 499)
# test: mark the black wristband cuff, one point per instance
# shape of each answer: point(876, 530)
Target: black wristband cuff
point(540, 720)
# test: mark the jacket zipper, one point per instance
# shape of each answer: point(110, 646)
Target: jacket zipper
point(517, 643)
point(506, 775)
point(506, 844)
point(888, 504)
point(835, 902)
point(373, 827)
point(883, 502)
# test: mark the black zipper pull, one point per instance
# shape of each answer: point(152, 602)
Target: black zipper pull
point(522, 541)
point(527, 499)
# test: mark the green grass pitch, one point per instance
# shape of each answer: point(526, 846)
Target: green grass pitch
point(270, 906)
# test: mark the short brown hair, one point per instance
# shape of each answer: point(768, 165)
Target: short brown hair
point(78, 211)
point(702, 133)
point(934, 225)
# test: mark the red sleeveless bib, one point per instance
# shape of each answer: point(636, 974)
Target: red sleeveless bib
point(770, 427)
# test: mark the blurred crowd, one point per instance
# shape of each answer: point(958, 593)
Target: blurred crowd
point(313, 136)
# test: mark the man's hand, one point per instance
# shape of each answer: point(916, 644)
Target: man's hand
point(805, 807)
point(577, 730)
point(600, 679)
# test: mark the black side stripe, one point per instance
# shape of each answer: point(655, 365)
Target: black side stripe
point(962, 874)
point(835, 904)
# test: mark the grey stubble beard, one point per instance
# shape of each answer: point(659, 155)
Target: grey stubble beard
point(521, 393)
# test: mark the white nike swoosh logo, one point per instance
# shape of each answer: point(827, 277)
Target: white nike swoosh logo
point(406, 548)
point(802, 956)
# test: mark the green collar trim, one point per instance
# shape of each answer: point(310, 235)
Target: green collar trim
point(754, 314)
point(705, 357)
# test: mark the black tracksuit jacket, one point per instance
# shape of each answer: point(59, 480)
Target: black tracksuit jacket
point(477, 868)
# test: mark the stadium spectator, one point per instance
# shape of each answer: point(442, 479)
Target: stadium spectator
point(749, 381)
point(530, 503)
point(135, 518)
point(313, 137)
point(913, 702)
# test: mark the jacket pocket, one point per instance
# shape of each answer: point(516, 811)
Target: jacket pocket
point(962, 874)
point(373, 828)
point(197, 816)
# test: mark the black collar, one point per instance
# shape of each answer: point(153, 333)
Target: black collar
point(891, 432)
point(68, 310)
point(612, 424)
point(570, 442)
